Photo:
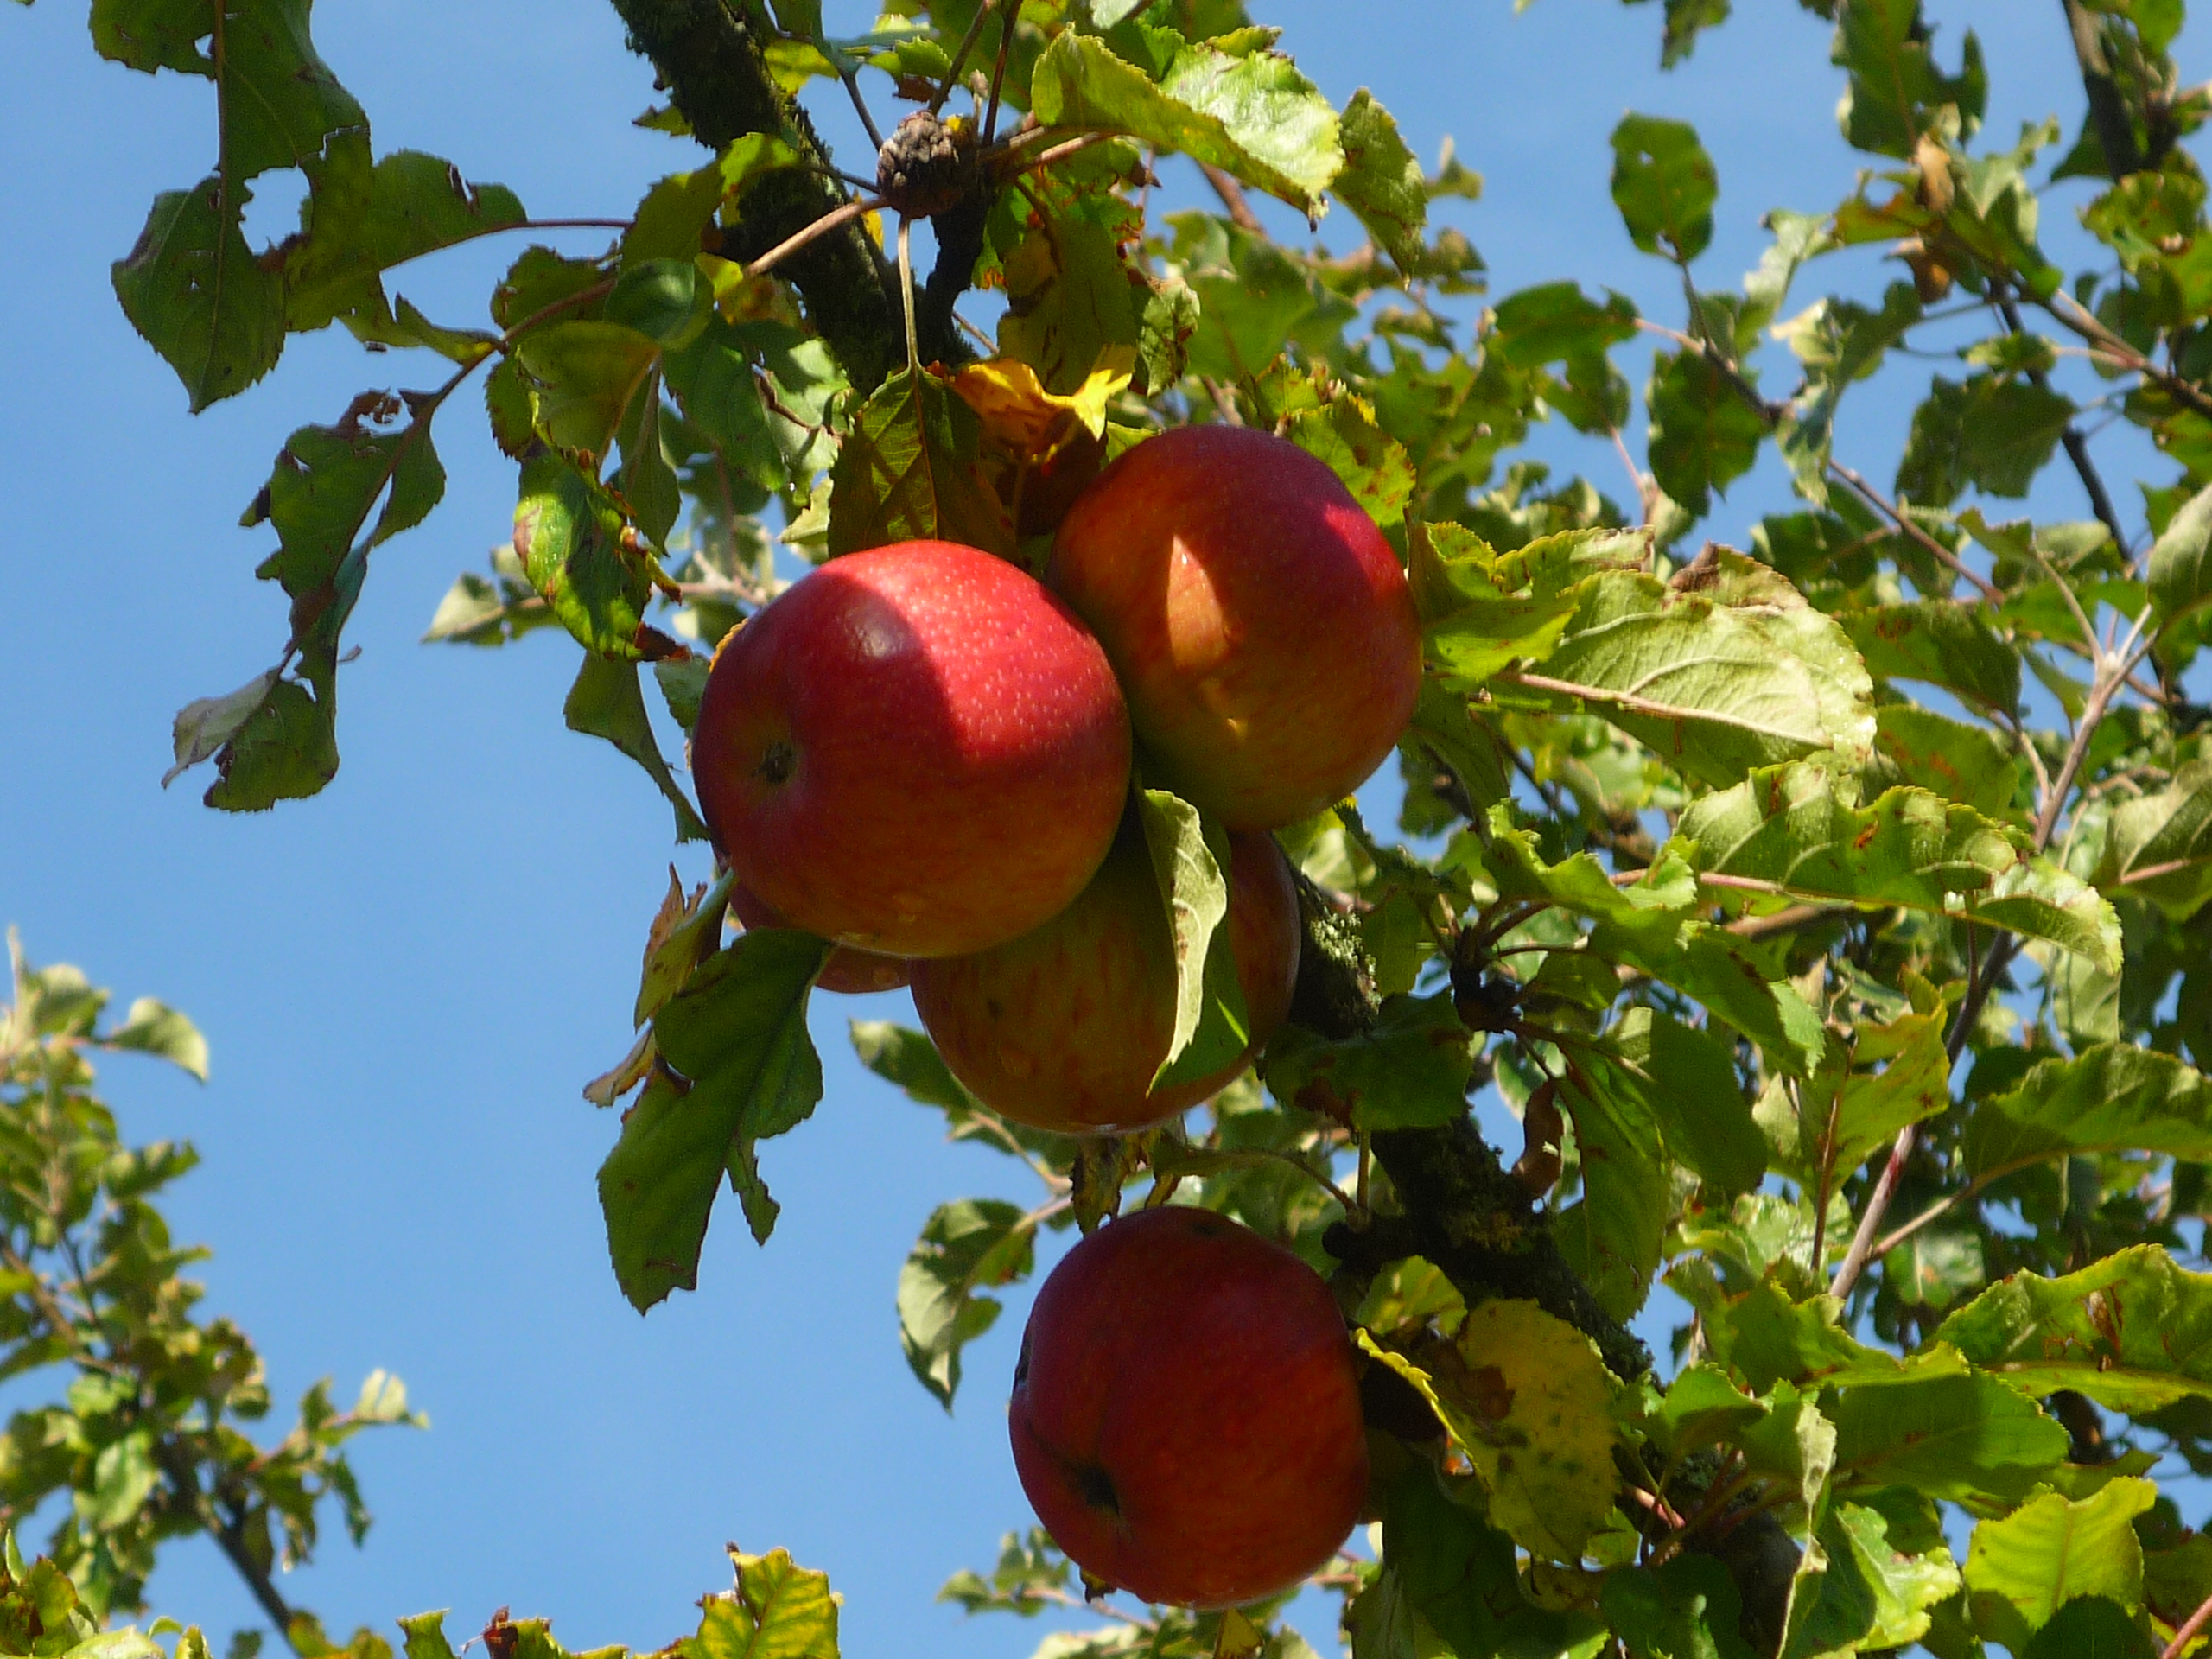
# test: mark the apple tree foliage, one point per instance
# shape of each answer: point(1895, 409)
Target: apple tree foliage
point(1826, 895)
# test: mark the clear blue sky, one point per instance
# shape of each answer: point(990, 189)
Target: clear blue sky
point(406, 980)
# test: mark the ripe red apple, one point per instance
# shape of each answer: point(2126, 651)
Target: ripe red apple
point(1065, 1027)
point(915, 750)
point(851, 971)
point(1262, 629)
point(1185, 1412)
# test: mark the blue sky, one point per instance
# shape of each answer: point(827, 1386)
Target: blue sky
point(406, 980)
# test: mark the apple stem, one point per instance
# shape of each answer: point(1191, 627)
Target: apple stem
point(906, 293)
point(1366, 1160)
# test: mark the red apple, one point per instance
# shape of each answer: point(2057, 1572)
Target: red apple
point(1262, 629)
point(915, 750)
point(1185, 1412)
point(1065, 1027)
point(850, 971)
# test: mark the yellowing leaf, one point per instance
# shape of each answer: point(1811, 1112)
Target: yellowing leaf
point(1020, 413)
point(1526, 1397)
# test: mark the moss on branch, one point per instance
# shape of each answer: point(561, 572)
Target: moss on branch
point(711, 64)
point(1463, 1210)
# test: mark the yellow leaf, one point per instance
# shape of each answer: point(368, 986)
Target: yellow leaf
point(1527, 1398)
point(1020, 414)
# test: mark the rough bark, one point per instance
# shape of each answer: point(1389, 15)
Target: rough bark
point(711, 64)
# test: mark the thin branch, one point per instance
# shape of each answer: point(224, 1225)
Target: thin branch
point(2077, 447)
point(2108, 106)
point(230, 1537)
point(959, 58)
point(820, 227)
point(2112, 675)
point(2190, 1631)
point(1905, 522)
point(860, 104)
point(1233, 197)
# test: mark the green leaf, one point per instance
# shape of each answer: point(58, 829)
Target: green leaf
point(362, 219)
point(1689, 1083)
point(1407, 1070)
point(1873, 1596)
point(1705, 433)
point(1839, 342)
point(2181, 559)
point(1665, 186)
point(283, 751)
point(1687, 1609)
point(778, 1610)
point(1994, 433)
point(1649, 926)
point(569, 532)
point(1525, 1396)
point(1611, 1235)
point(2132, 1332)
point(1897, 92)
point(677, 210)
point(2159, 847)
point(1373, 465)
point(1556, 323)
point(1482, 611)
point(1255, 115)
point(327, 482)
point(1718, 683)
point(1844, 1115)
point(153, 1027)
point(1961, 763)
point(203, 727)
point(582, 376)
point(738, 1032)
point(2112, 1098)
point(1381, 180)
point(2092, 1627)
point(966, 1248)
point(124, 1476)
point(1190, 861)
point(1949, 1432)
point(194, 292)
point(2022, 1568)
point(909, 470)
point(1797, 832)
point(425, 1635)
point(1941, 642)
point(605, 702)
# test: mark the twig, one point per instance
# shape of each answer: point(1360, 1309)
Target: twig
point(853, 90)
point(2187, 1633)
point(1233, 197)
point(2112, 675)
point(2077, 447)
point(960, 57)
point(1905, 521)
point(822, 226)
point(2115, 131)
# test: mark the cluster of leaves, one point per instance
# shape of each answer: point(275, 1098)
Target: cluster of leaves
point(1832, 913)
point(774, 1607)
point(148, 1442)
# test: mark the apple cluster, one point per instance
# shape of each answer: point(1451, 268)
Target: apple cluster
point(924, 754)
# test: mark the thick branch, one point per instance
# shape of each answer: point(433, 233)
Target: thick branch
point(712, 69)
point(1464, 1211)
point(2107, 103)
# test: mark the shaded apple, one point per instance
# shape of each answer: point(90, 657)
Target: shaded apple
point(1186, 1414)
point(1261, 628)
point(915, 750)
point(851, 971)
point(1065, 1027)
